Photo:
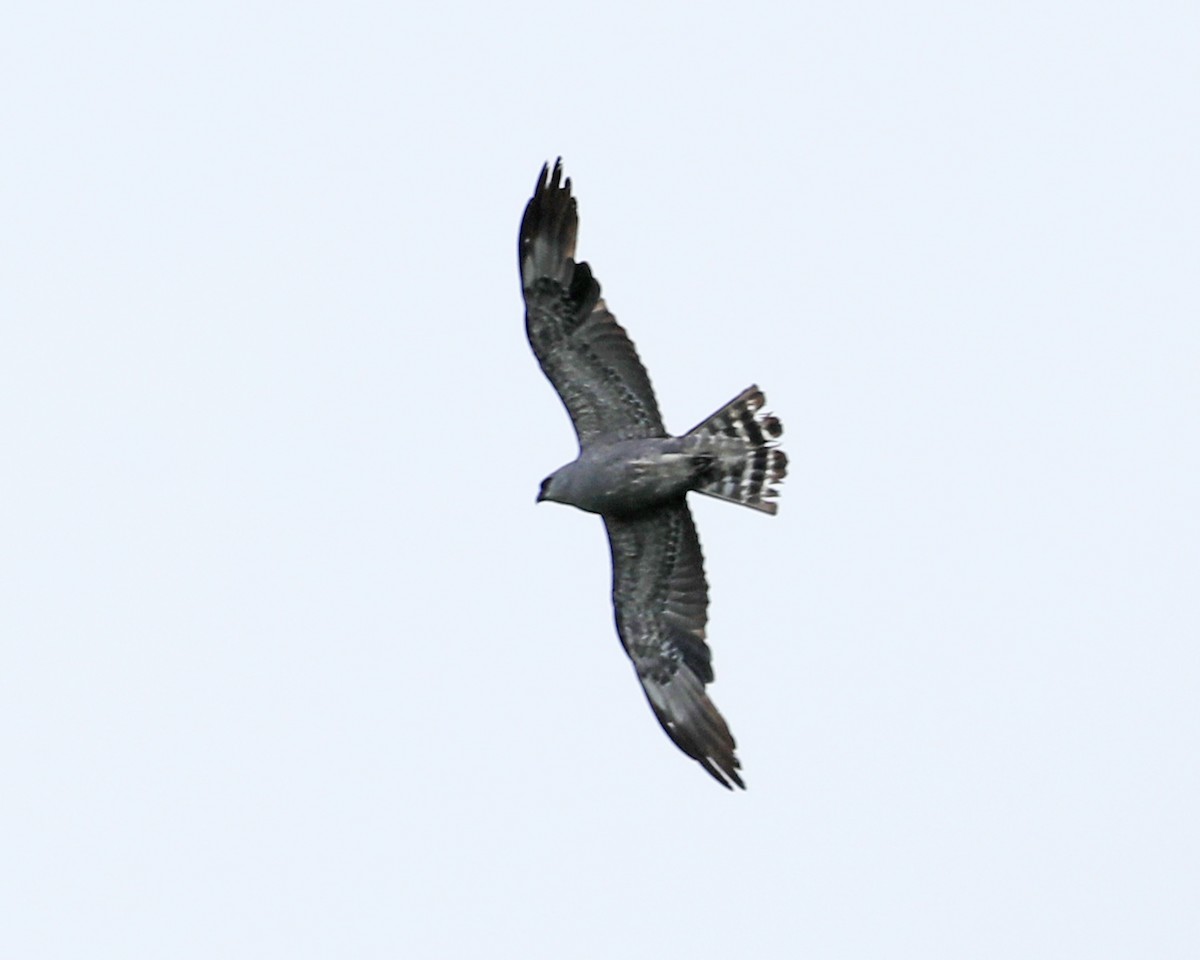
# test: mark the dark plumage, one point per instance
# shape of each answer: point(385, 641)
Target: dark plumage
point(637, 476)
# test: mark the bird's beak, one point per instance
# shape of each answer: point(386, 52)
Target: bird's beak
point(540, 498)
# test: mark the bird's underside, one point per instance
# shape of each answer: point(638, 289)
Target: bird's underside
point(633, 473)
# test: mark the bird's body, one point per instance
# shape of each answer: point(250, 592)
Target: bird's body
point(628, 476)
point(637, 476)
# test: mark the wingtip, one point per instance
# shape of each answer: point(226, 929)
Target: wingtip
point(694, 723)
point(552, 178)
point(552, 189)
point(724, 773)
point(546, 243)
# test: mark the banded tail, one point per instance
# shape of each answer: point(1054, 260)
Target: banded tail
point(747, 463)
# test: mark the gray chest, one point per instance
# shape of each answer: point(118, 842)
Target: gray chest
point(631, 476)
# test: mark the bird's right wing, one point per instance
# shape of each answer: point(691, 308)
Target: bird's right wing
point(582, 349)
point(661, 601)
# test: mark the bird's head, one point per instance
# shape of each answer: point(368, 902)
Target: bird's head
point(559, 486)
point(547, 489)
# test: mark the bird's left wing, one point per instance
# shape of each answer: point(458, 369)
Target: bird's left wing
point(582, 349)
point(661, 602)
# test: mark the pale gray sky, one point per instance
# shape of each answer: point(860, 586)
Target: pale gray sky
point(292, 666)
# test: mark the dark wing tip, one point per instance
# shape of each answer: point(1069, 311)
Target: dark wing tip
point(695, 725)
point(728, 771)
point(551, 220)
point(723, 768)
point(551, 180)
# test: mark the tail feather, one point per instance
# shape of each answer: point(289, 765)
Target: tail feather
point(746, 462)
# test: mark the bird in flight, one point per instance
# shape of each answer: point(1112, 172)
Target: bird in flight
point(636, 475)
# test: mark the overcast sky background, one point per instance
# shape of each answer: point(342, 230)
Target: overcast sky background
point(293, 666)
